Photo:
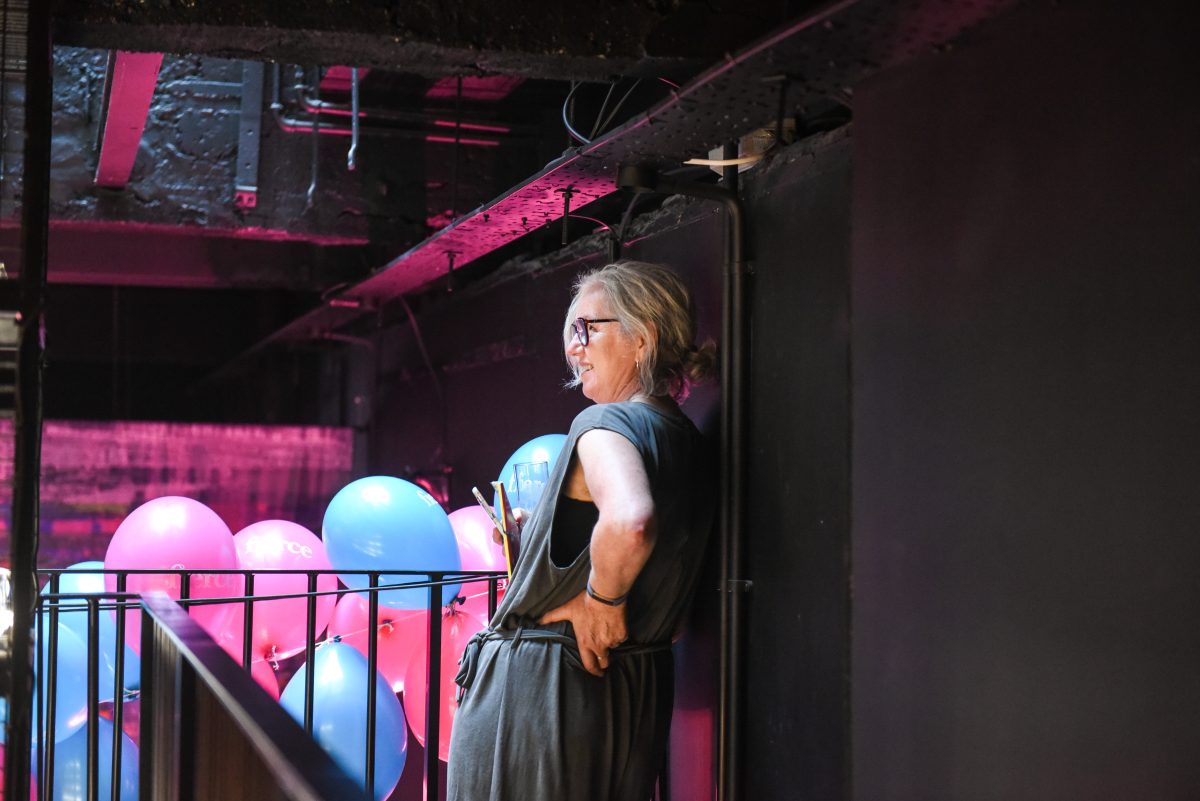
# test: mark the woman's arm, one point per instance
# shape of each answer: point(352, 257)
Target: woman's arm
point(613, 476)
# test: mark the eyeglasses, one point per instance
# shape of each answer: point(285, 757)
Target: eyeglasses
point(581, 327)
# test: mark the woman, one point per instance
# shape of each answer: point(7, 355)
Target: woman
point(568, 694)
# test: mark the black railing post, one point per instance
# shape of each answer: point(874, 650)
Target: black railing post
point(248, 622)
point(310, 653)
point(93, 699)
point(118, 689)
point(50, 689)
point(433, 656)
point(372, 666)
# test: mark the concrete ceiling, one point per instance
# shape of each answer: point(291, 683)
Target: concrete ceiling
point(176, 236)
point(534, 38)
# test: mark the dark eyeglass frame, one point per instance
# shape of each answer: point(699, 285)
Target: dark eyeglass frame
point(580, 326)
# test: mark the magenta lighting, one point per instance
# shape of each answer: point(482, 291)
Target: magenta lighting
point(450, 140)
point(472, 126)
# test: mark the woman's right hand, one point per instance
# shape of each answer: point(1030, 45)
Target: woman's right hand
point(520, 515)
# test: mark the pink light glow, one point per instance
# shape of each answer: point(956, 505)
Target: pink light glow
point(94, 474)
point(472, 126)
point(337, 79)
point(490, 88)
point(245, 232)
point(449, 140)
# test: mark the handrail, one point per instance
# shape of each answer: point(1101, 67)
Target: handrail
point(197, 702)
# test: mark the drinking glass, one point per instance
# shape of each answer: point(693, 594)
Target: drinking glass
point(531, 478)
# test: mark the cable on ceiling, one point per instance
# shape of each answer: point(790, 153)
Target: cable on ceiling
point(566, 118)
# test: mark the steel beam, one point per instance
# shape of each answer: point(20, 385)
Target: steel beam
point(131, 81)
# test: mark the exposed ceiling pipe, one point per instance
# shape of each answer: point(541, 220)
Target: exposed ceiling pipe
point(307, 125)
point(435, 118)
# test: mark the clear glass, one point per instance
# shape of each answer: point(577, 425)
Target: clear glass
point(531, 478)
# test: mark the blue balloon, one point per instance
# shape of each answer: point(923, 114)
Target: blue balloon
point(70, 696)
point(73, 614)
point(340, 715)
point(70, 766)
point(380, 522)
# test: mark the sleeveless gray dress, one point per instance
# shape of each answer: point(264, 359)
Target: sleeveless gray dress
point(532, 724)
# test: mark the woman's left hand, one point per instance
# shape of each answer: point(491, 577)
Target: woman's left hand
point(598, 629)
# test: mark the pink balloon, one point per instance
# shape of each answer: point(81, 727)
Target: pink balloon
point(281, 627)
point(261, 669)
point(402, 632)
point(457, 629)
point(174, 533)
point(473, 531)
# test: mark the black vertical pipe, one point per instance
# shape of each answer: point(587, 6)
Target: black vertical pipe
point(35, 231)
point(433, 657)
point(734, 394)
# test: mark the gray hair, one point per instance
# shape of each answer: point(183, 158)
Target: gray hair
point(650, 301)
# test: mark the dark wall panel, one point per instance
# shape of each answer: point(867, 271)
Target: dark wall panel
point(1025, 451)
point(797, 532)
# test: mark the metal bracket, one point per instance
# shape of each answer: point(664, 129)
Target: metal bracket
point(249, 135)
point(567, 193)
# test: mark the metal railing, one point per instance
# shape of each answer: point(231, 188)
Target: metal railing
point(209, 732)
point(53, 604)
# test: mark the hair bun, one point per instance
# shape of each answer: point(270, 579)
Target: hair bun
point(700, 363)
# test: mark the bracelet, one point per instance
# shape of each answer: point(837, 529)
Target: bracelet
point(595, 596)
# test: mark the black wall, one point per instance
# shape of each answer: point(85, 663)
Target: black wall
point(797, 528)
point(972, 513)
point(1025, 351)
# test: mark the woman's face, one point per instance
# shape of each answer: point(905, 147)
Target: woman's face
point(608, 363)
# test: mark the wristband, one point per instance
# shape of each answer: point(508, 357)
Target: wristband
point(595, 596)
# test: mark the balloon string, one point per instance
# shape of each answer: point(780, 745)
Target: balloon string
point(387, 625)
point(273, 657)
